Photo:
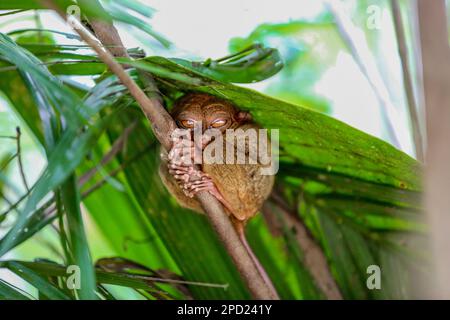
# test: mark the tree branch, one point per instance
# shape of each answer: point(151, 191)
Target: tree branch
point(436, 75)
point(163, 125)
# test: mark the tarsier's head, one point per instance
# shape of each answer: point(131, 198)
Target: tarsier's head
point(212, 112)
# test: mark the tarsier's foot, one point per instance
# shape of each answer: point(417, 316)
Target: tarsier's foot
point(202, 183)
point(183, 173)
point(205, 184)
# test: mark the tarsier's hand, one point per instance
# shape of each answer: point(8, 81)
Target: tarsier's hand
point(181, 164)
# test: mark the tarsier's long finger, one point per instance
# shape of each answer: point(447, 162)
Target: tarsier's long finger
point(185, 155)
point(180, 177)
point(175, 168)
point(200, 189)
point(188, 193)
point(194, 187)
point(191, 189)
point(180, 144)
point(180, 168)
point(174, 152)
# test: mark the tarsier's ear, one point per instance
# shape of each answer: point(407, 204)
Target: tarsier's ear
point(243, 116)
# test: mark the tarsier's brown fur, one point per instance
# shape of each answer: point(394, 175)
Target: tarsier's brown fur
point(242, 185)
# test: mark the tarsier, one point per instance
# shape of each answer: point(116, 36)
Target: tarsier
point(241, 188)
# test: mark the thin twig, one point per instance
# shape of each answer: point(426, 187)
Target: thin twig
point(433, 23)
point(100, 183)
point(19, 158)
point(9, 202)
point(407, 79)
point(314, 258)
point(13, 12)
point(87, 176)
point(50, 205)
point(115, 149)
point(8, 161)
point(163, 125)
point(51, 63)
point(15, 205)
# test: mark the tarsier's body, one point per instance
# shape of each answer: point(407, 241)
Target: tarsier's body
point(241, 188)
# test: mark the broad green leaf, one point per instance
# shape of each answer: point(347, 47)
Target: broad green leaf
point(310, 138)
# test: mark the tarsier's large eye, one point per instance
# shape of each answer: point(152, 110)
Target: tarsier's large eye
point(218, 123)
point(187, 124)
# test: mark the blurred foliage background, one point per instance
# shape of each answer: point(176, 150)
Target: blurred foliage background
point(79, 182)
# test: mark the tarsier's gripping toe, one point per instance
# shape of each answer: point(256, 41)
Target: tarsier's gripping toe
point(204, 184)
point(201, 182)
point(181, 173)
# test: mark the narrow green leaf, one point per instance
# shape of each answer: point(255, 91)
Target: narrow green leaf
point(40, 283)
point(8, 292)
point(64, 159)
point(253, 64)
point(49, 86)
point(79, 245)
